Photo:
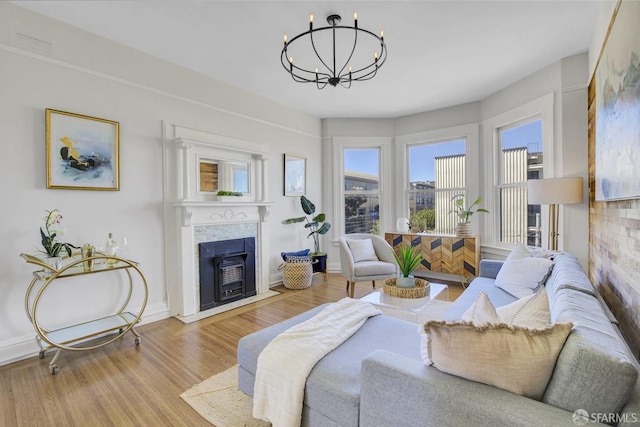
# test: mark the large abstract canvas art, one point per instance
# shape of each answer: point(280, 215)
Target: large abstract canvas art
point(82, 152)
point(617, 100)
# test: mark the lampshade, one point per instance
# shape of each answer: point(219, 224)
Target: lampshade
point(555, 191)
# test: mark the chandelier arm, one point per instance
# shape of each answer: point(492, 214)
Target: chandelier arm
point(291, 67)
point(342, 83)
point(355, 42)
point(313, 45)
point(371, 74)
point(320, 87)
point(285, 60)
point(374, 65)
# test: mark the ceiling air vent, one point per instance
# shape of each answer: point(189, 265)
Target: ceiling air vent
point(24, 41)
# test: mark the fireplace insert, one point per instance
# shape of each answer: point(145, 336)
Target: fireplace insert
point(227, 271)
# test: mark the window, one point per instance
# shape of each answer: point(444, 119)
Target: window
point(436, 174)
point(520, 159)
point(361, 190)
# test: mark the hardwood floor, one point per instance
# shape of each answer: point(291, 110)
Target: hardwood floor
point(123, 385)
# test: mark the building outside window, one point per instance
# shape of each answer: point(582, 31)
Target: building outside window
point(361, 190)
point(521, 158)
point(436, 174)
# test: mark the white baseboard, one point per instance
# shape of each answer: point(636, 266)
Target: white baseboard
point(25, 347)
point(275, 279)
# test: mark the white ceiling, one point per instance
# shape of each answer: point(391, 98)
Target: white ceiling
point(441, 53)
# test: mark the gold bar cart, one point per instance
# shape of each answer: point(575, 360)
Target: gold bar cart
point(76, 337)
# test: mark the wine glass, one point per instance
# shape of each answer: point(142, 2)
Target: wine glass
point(124, 244)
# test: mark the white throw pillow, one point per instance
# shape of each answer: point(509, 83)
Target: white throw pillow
point(542, 253)
point(482, 312)
point(362, 250)
point(531, 311)
point(521, 274)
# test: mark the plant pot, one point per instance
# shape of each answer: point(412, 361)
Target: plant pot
point(463, 229)
point(55, 262)
point(319, 263)
point(406, 282)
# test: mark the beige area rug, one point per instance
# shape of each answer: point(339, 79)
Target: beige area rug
point(219, 401)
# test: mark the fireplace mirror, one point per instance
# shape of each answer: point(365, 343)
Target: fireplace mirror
point(221, 175)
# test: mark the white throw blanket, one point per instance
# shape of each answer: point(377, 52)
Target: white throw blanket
point(285, 363)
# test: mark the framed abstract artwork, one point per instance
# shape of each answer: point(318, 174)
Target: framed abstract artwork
point(617, 107)
point(295, 175)
point(82, 152)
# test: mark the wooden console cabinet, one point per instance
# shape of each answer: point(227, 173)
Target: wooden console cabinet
point(442, 253)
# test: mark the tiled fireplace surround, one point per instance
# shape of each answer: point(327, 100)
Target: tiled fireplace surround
point(199, 217)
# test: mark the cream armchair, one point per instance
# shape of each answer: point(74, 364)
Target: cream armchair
point(366, 257)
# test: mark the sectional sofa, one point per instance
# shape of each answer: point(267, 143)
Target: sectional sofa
point(378, 378)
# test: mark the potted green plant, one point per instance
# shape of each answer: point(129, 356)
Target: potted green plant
point(316, 225)
point(408, 260)
point(229, 196)
point(463, 228)
point(52, 247)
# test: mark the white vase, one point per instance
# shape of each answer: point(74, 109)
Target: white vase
point(402, 225)
point(463, 229)
point(55, 262)
point(406, 282)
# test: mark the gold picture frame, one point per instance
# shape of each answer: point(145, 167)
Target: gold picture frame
point(83, 152)
point(295, 175)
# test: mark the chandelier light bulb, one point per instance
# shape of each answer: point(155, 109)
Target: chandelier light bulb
point(375, 55)
point(291, 60)
point(285, 38)
point(381, 34)
point(355, 16)
point(311, 17)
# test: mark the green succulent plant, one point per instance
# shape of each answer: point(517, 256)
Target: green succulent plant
point(408, 259)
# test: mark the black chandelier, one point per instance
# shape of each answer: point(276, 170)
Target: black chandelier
point(329, 71)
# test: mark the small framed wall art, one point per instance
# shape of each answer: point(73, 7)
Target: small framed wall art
point(82, 152)
point(295, 175)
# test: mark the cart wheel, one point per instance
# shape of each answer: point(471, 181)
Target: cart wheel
point(137, 341)
point(41, 354)
point(54, 370)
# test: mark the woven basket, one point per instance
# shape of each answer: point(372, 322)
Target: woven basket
point(420, 291)
point(297, 272)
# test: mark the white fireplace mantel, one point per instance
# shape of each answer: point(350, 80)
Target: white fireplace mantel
point(222, 211)
point(197, 214)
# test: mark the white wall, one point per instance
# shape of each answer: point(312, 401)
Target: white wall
point(88, 75)
point(601, 27)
